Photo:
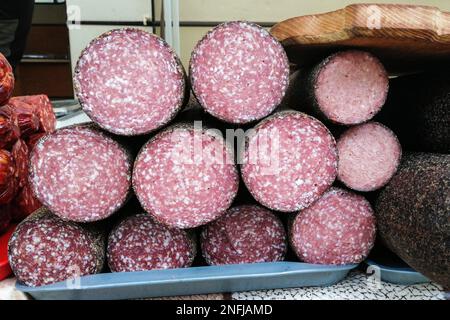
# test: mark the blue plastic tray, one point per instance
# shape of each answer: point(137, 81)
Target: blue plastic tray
point(195, 280)
point(403, 275)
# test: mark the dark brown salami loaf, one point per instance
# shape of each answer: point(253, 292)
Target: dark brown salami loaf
point(369, 155)
point(139, 243)
point(418, 111)
point(289, 161)
point(130, 98)
point(8, 177)
point(6, 80)
point(45, 249)
point(347, 88)
point(239, 72)
point(245, 234)
point(185, 177)
point(413, 214)
point(339, 228)
point(80, 173)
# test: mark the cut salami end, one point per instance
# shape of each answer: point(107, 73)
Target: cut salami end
point(369, 155)
point(339, 228)
point(42, 108)
point(6, 80)
point(20, 155)
point(45, 249)
point(350, 87)
point(245, 234)
point(130, 98)
point(185, 177)
point(138, 243)
point(80, 174)
point(289, 161)
point(239, 72)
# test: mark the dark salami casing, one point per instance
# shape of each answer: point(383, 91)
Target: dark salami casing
point(413, 214)
point(418, 111)
point(6, 80)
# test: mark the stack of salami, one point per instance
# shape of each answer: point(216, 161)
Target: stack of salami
point(297, 179)
point(23, 120)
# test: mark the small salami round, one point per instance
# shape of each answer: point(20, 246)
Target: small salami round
point(185, 177)
point(6, 80)
point(20, 155)
point(139, 243)
point(27, 117)
point(369, 155)
point(245, 234)
point(42, 108)
point(239, 72)
point(45, 249)
point(289, 161)
point(339, 228)
point(130, 98)
point(80, 173)
point(8, 178)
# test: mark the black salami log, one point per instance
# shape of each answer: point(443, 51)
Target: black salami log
point(347, 88)
point(369, 155)
point(130, 82)
point(45, 249)
point(418, 111)
point(80, 173)
point(239, 72)
point(339, 228)
point(245, 234)
point(289, 161)
point(6, 80)
point(413, 214)
point(185, 177)
point(139, 243)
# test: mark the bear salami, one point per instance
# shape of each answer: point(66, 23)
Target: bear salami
point(139, 243)
point(289, 161)
point(130, 98)
point(239, 72)
point(245, 234)
point(80, 173)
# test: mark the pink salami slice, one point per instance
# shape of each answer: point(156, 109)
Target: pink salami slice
point(289, 161)
point(139, 243)
point(369, 155)
point(239, 72)
point(80, 174)
point(185, 177)
point(339, 228)
point(130, 82)
point(245, 234)
point(45, 249)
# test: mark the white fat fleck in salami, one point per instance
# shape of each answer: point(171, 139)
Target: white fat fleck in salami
point(289, 161)
point(350, 87)
point(369, 155)
point(239, 72)
point(245, 234)
point(129, 81)
point(80, 174)
point(339, 228)
point(138, 243)
point(45, 249)
point(185, 177)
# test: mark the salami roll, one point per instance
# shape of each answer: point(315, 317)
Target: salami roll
point(27, 116)
point(9, 127)
point(413, 214)
point(8, 178)
point(138, 243)
point(20, 155)
point(245, 234)
point(418, 111)
point(130, 98)
point(80, 173)
point(289, 161)
point(239, 72)
point(43, 109)
point(45, 249)
point(185, 177)
point(347, 88)
point(6, 80)
point(25, 203)
point(369, 155)
point(339, 228)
